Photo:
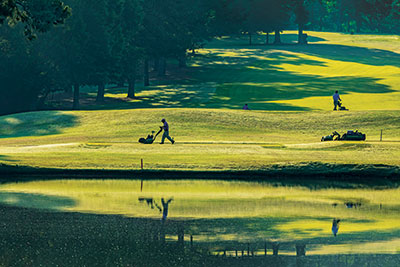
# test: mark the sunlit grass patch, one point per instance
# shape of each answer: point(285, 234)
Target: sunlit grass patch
point(227, 73)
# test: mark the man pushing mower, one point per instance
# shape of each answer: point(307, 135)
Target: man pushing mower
point(151, 137)
point(165, 127)
point(337, 102)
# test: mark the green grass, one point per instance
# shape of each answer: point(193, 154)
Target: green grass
point(229, 72)
point(288, 87)
point(206, 139)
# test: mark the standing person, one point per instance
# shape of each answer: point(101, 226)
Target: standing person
point(335, 226)
point(336, 99)
point(166, 132)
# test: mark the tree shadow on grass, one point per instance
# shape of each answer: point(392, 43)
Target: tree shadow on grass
point(233, 74)
point(35, 123)
point(354, 54)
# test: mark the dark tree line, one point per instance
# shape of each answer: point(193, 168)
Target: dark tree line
point(119, 41)
point(355, 16)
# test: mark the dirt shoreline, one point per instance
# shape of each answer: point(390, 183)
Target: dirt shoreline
point(306, 174)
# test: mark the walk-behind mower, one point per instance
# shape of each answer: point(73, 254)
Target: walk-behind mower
point(341, 107)
point(150, 138)
point(349, 136)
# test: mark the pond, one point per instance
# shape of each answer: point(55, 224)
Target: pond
point(231, 216)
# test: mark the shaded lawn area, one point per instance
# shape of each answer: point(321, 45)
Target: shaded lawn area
point(229, 73)
point(29, 124)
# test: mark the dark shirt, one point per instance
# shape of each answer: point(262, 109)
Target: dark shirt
point(166, 126)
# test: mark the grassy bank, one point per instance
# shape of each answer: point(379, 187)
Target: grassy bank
point(205, 139)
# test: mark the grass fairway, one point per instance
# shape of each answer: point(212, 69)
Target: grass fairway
point(206, 139)
point(287, 87)
point(228, 73)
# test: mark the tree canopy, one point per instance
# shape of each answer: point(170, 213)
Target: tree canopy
point(36, 15)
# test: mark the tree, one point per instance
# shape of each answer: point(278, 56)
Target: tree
point(381, 15)
point(266, 15)
point(131, 53)
point(72, 59)
point(302, 16)
point(279, 12)
point(98, 19)
point(355, 15)
point(27, 75)
point(229, 17)
point(36, 15)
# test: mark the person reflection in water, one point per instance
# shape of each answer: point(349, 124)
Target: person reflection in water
point(164, 208)
point(149, 201)
point(335, 226)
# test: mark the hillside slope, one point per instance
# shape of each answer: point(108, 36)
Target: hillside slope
point(205, 139)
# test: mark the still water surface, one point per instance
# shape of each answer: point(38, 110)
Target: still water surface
point(226, 214)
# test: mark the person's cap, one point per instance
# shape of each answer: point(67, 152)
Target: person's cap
point(153, 131)
point(163, 120)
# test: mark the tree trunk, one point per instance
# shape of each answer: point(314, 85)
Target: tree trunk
point(100, 92)
point(182, 61)
point(131, 87)
point(267, 38)
point(156, 64)
point(250, 40)
point(277, 37)
point(41, 100)
point(340, 16)
point(358, 22)
point(68, 90)
point(76, 96)
point(162, 67)
point(300, 34)
point(146, 79)
point(320, 23)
